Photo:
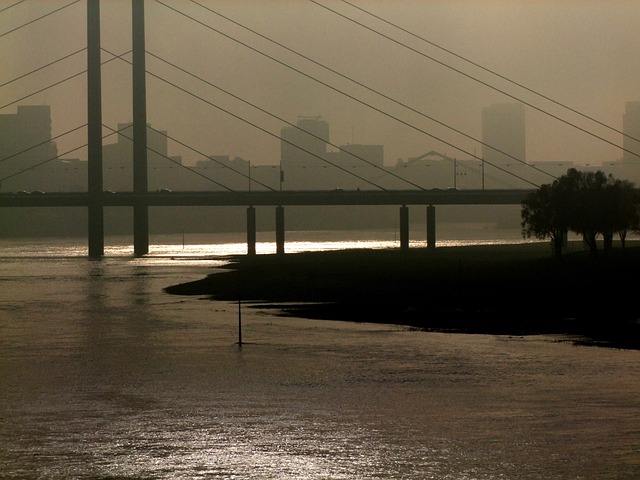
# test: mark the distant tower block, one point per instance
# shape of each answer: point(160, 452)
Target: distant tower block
point(631, 128)
point(305, 144)
point(503, 134)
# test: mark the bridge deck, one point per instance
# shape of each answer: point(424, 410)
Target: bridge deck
point(268, 198)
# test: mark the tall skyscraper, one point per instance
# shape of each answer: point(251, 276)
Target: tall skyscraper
point(631, 129)
point(503, 134)
point(305, 145)
point(25, 137)
point(163, 171)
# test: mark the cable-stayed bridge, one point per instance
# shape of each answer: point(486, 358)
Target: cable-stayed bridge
point(403, 198)
point(140, 198)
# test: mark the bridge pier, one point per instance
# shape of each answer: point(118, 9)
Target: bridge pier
point(280, 230)
point(251, 231)
point(431, 227)
point(404, 228)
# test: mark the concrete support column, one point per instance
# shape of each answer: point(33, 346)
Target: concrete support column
point(94, 127)
point(280, 230)
point(140, 228)
point(431, 227)
point(404, 228)
point(251, 231)
point(141, 207)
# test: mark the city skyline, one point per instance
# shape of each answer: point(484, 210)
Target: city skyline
point(595, 72)
point(308, 157)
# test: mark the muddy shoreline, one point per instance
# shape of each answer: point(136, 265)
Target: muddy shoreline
point(518, 289)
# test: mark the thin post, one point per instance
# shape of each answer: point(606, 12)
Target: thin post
point(239, 322)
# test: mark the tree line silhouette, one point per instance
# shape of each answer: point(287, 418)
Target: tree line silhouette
point(591, 204)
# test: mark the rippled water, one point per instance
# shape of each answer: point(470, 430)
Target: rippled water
point(104, 376)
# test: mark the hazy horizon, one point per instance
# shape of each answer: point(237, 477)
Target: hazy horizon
point(582, 54)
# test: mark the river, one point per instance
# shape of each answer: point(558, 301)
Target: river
point(104, 376)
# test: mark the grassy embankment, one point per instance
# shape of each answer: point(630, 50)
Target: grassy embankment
point(501, 289)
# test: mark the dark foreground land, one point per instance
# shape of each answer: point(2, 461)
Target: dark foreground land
point(496, 289)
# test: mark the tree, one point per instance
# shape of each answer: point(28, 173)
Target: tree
point(622, 198)
point(587, 203)
point(544, 216)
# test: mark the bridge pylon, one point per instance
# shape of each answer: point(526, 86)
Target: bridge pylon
point(140, 183)
point(94, 128)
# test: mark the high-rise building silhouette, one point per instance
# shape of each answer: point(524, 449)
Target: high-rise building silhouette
point(631, 129)
point(26, 137)
point(503, 145)
point(306, 144)
point(503, 134)
point(163, 169)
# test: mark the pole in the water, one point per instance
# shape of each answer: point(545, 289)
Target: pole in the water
point(239, 323)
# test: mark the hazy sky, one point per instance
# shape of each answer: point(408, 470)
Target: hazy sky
point(583, 54)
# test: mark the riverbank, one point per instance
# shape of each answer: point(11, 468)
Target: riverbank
point(519, 289)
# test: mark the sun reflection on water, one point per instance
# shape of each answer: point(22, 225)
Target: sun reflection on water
point(218, 246)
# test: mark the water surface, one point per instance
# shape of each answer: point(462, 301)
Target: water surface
point(102, 375)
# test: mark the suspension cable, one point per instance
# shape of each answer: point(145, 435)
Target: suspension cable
point(343, 93)
point(282, 119)
point(36, 19)
point(43, 67)
point(397, 102)
point(42, 143)
point(493, 72)
point(486, 84)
